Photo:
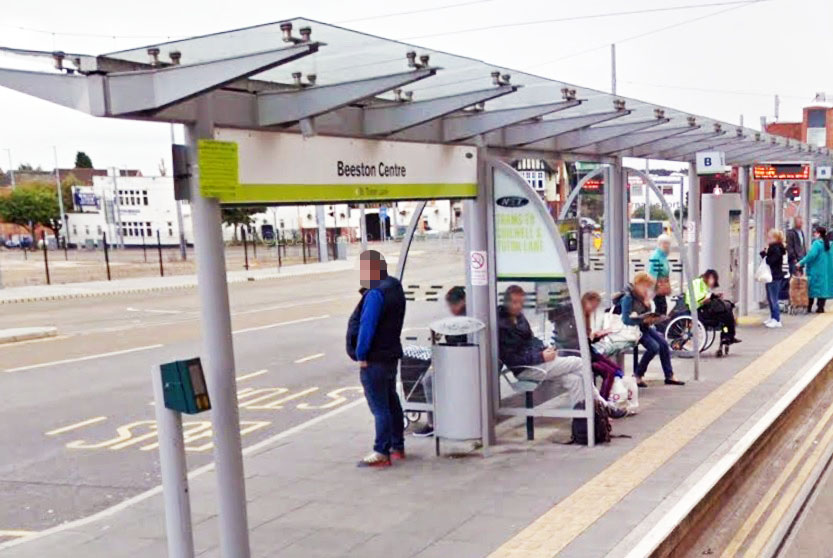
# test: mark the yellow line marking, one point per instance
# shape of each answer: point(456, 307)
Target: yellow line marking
point(28, 341)
point(309, 358)
point(252, 375)
point(555, 529)
point(76, 425)
point(777, 513)
point(17, 533)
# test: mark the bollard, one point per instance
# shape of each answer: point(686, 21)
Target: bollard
point(278, 246)
point(304, 245)
point(245, 249)
point(159, 249)
point(45, 256)
point(66, 254)
point(254, 245)
point(144, 248)
point(106, 254)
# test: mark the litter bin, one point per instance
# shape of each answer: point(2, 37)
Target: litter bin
point(456, 385)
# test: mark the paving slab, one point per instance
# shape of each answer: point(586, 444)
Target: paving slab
point(518, 499)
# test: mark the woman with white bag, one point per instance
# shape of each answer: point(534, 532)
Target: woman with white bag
point(603, 367)
point(772, 268)
point(636, 311)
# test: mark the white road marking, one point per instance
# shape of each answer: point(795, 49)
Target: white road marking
point(309, 358)
point(286, 305)
point(279, 324)
point(252, 375)
point(87, 422)
point(80, 359)
point(199, 471)
point(153, 310)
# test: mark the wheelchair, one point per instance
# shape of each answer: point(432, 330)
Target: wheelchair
point(679, 331)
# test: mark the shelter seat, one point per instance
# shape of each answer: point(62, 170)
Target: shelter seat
point(524, 379)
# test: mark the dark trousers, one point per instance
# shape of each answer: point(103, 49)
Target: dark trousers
point(607, 369)
point(820, 304)
point(379, 382)
point(661, 304)
point(719, 312)
point(655, 344)
point(773, 294)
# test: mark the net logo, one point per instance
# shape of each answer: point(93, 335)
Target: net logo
point(512, 201)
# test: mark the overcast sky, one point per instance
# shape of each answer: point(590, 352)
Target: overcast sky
point(723, 66)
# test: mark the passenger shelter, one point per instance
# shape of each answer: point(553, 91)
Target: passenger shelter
point(301, 111)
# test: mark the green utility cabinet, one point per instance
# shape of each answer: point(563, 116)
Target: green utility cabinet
point(184, 388)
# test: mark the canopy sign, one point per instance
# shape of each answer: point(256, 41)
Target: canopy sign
point(781, 171)
point(247, 167)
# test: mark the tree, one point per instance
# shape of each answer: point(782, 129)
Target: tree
point(66, 191)
point(657, 213)
point(32, 203)
point(83, 161)
point(236, 216)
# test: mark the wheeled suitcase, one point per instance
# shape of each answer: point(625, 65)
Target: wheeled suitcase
point(799, 297)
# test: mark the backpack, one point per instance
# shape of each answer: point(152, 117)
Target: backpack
point(601, 425)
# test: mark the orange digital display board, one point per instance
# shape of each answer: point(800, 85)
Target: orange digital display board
point(593, 184)
point(781, 171)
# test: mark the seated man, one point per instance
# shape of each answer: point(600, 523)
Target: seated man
point(518, 347)
point(711, 307)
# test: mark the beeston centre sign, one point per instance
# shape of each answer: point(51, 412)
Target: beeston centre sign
point(247, 167)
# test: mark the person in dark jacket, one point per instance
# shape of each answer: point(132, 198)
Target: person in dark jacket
point(796, 244)
point(636, 311)
point(774, 255)
point(373, 340)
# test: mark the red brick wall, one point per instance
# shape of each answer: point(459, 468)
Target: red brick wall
point(792, 130)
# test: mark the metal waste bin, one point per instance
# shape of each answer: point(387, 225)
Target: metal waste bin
point(457, 380)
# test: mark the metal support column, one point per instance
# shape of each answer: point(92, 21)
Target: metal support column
point(743, 257)
point(218, 348)
point(320, 216)
point(476, 226)
point(363, 226)
point(694, 219)
point(615, 238)
point(806, 211)
point(779, 205)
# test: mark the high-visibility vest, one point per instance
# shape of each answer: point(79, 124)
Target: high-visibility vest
point(701, 292)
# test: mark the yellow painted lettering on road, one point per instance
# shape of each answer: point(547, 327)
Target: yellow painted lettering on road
point(76, 425)
point(123, 434)
point(246, 427)
point(191, 430)
point(336, 397)
point(256, 404)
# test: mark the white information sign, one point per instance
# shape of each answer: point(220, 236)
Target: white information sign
point(276, 167)
point(479, 265)
point(711, 162)
point(525, 249)
point(824, 173)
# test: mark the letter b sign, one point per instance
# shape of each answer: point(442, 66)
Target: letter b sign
point(711, 162)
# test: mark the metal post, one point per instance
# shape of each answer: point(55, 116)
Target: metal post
point(60, 197)
point(613, 69)
point(321, 217)
point(106, 254)
point(476, 226)
point(144, 247)
point(608, 233)
point(304, 245)
point(363, 226)
point(245, 248)
point(117, 207)
point(806, 208)
point(159, 250)
point(779, 204)
point(183, 246)
point(694, 218)
point(218, 348)
point(278, 239)
point(647, 199)
point(174, 474)
point(45, 256)
point(66, 250)
point(743, 257)
point(616, 253)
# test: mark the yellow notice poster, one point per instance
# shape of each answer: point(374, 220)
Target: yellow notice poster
point(218, 164)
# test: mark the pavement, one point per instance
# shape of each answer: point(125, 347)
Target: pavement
point(517, 499)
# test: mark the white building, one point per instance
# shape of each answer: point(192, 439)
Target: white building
point(674, 188)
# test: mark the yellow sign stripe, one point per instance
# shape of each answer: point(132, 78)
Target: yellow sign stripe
point(558, 527)
point(310, 193)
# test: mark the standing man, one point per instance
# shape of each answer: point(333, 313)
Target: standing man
point(796, 246)
point(373, 340)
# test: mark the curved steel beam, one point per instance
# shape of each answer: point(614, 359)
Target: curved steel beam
point(576, 191)
point(409, 237)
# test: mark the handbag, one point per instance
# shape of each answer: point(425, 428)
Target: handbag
point(621, 336)
point(663, 287)
point(763, 274)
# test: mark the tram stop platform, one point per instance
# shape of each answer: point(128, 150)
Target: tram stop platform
point(519, 499)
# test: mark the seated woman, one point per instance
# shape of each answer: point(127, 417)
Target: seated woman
point(711, 307)
point(636, 310)
point(603, 367)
